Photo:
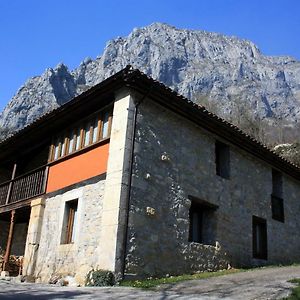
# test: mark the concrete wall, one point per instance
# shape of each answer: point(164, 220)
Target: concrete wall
point(78, 258)
point(159, 209)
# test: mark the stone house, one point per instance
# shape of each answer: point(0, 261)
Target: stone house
point(133, 178)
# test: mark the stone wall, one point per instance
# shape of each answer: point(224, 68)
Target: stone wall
point(78, 258)
point(175, 159)
point(4, 228)
point(19, 239)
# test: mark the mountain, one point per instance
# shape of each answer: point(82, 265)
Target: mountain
point(196, 64)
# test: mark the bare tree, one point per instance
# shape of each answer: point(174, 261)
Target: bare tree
point(210, 104)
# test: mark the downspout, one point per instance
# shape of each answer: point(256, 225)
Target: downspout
point(128, 195)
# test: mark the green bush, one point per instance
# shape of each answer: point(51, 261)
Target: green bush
point(100, 278)
point(295, 295)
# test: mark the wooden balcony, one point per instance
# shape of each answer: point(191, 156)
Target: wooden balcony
point(24, 187)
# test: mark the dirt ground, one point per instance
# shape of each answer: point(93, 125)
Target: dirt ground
point(268, 283)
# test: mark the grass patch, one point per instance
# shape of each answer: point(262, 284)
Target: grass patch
point(151, 283)
point(295, 295)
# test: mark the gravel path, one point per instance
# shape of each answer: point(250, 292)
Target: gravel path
point(269, 283)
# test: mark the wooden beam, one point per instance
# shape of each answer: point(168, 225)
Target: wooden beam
point(11, 183)
point(9, 240)
point(16, 205)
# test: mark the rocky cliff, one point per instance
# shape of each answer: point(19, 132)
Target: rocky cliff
point(194, 63)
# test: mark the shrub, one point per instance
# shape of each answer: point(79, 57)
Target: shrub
point(100, 278)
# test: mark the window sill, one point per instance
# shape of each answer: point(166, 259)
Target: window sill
point(67, 247)
point(197, 244)
point(223, 177)
point(278, 220)
point(260, 258)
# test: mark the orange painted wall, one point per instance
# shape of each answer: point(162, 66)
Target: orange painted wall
point(78, 168)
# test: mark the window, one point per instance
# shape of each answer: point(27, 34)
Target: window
point(69, 223)
point(276, 197)
point(78, 139)
point(195, 232)
point(57, 150)
point(88, 132)
point(105, 127)
point(59, 147)
point(259, 234)
point(202, 221)
point(277, 208)
point(95, 130)
point(63, 147)
point(71, 142)
point(222, 156)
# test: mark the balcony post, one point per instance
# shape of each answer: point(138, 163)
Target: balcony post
point(45, 179)
point(9, 240)
point(11, 183)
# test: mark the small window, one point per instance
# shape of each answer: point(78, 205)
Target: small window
point(276, 197)
point(222, 156)
point(59, 147)
point(277, 209)
point(71, 142)
point(56, 149)
point(70, 222)
point(105, 127)
point(196, 228)
point(78, 139)
point(259, 234)
point(87, 134)
point(95, 130)
point(202, 222)
point(63, 147)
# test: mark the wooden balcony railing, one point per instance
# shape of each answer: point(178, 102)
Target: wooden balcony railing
point(24, 187)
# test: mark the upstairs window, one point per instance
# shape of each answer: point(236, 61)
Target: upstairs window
point(95, 130)
point(276, 197)
point(259, 235)
point(57, 151)
point(202, 221)
point(78, 138)
point(70, 222)
point(222, 159)
point(82, 135)
point(87, 134)
point(71, 143)
point(106, 125)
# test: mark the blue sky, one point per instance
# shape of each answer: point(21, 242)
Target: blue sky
point(37, 34)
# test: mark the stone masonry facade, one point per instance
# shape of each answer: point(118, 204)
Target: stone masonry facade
point(76, 259)
point(136, 219)
point(101, 209)
point(175, 159)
